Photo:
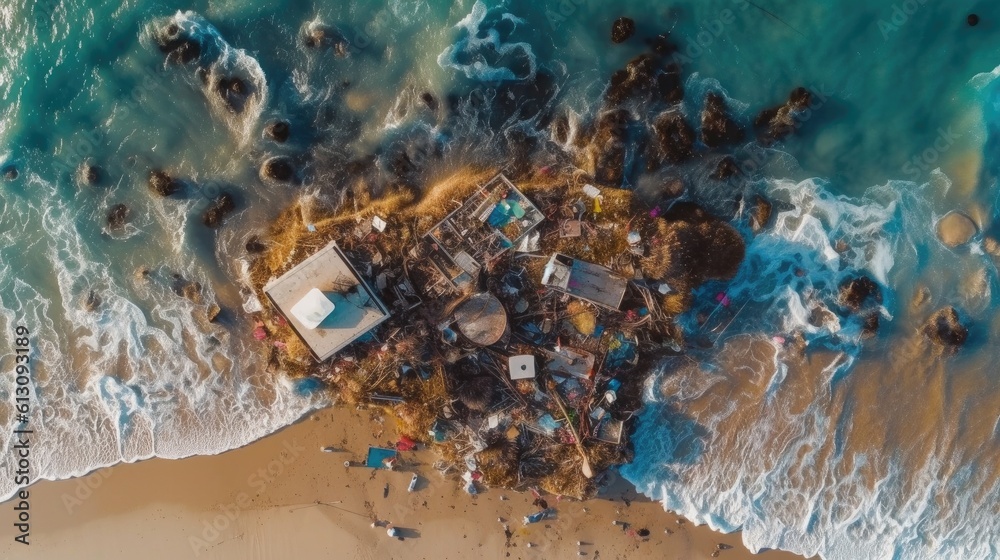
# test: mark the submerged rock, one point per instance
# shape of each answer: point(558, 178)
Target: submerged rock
point(670, 85)
point(213, 312)
point(179, 48)
point(234, 92)
point(609, 145)
point(717, 128)
point(778, 122)
point(560, 129)
point(9, 172)
point(88, 174)
point(725, 170)
point(870, 326)
point(760, 214)
point(254, 245)
point(945, 328)
point(644, 78)
point(674, 137)
point(278, 168)
point(278, 131)
point(673, 187)
point(429, 100)
point(117, 217)
point(955, 229)
point(91, 302)
point(187, 289)
point(856, 292)
point(321, 36)
point(622, 29)
point(220, 208)
point(991, 246)
point(163, 184)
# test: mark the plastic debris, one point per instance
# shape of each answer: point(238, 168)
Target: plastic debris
point(378, 223)
point(591, 191)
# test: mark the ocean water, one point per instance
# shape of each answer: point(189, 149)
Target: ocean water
point(821, 442)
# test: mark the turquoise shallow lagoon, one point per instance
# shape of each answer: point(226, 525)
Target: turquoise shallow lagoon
point(858, 448)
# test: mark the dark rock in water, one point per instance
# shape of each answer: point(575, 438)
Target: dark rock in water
point(361, 165)
point(234, 91)
point(726, 169)
point(278, 169)
point(855, 293)
point(429, 101)
point(88, 174)
point(611, 133)
point(92, 301)
point(163, 184)
point(319, 36)
point(213, 312)
point(255, 245)
point(186, 289)
point(560, 128)
point(972, 20)
point(670, 85)
point(673, 187)
point(118, 217)
point(622, 29)
point(717, 128)
point(521, 149)
point(9, 172)
point(778, 122)
point(662, 45)
point(179, 48)
point(612, 125)
point(278, 131)
point(638, 79)
point(610, 164)
point(945, 328)
point(870, 326)
point(400, 164)
point(220, 208)
point(674, 137)
point(760, 214)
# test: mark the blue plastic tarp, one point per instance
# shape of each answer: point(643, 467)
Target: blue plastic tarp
point(377, 457)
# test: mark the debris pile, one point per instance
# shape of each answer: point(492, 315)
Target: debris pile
point(523, 319)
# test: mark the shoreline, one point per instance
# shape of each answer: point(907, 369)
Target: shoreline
point(260, 501)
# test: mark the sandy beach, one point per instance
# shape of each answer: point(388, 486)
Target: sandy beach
point(260, 501)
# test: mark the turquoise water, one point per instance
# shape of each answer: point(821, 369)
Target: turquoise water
point(877, 448)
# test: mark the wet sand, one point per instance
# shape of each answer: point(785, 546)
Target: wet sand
point(260, 502)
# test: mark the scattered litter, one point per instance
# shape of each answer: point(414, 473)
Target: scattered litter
point(405, 444)
point(570, 228)
point(536, 517)
point(591, 191)
point(413, 483)
point(378, 223)
point(522, 366)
